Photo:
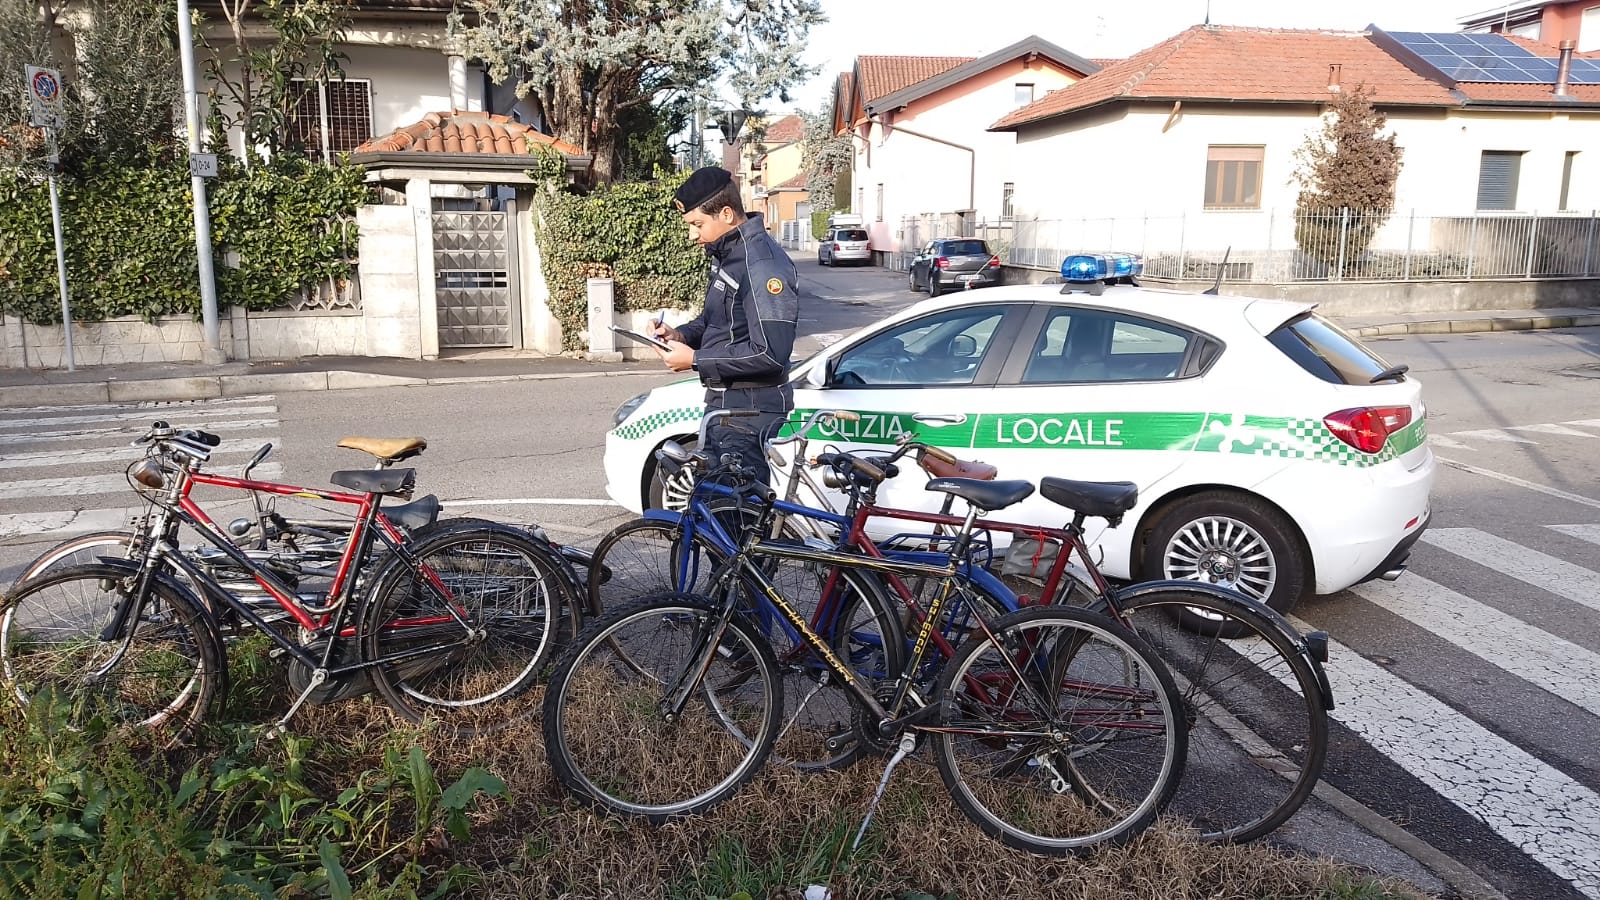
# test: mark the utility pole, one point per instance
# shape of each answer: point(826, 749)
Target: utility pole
point(211, 352)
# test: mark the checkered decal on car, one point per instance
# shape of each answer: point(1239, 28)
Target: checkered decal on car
point(1311, 439)
point(646, 424)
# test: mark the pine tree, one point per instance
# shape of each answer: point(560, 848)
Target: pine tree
point(1347, 172)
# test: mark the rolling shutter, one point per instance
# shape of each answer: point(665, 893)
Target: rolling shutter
point(1497, 179)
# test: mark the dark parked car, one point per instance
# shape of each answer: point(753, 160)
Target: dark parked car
point(953, 264)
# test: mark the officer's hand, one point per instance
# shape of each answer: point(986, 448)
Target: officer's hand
point(664, 331)
point(679, 358)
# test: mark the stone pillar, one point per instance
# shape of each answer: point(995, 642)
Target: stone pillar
point(391, 311)
point(419, 198)
point(540, 329)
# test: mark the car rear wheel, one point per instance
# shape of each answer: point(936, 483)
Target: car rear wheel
point(934, 288)
point(674, 493)
point(1230, 540)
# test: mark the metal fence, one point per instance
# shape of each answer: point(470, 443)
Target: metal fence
point(1277, 246)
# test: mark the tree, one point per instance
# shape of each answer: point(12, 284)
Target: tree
point(589, 61)
point(1347, 172)
point(829, 159)
point(256, 78)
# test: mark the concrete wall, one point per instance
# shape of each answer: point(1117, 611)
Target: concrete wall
point(389, 289)
point(919, 175)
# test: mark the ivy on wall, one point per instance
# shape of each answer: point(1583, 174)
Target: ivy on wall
point(129, 231)
point(626, 231)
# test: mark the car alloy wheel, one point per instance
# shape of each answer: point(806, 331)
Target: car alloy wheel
point(1232, 540)
point(1225, 552)
point(673, 492)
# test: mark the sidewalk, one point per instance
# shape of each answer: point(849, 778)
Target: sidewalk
point(193, 381)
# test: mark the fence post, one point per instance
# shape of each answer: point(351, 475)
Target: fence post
point(1472, 245)
point(1344, 231)
point(1183, 233)
point(1533, 234)
point(1411, 236)
point(1144, 241)
point(1272, 225)
point(1588, 245)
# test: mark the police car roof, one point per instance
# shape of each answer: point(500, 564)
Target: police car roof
point(1208, 312)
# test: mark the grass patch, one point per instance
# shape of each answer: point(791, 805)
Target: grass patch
point(355, 804)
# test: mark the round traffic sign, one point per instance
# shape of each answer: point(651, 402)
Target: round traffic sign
point(45, 87)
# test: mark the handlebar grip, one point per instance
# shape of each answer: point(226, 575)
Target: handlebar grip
point(870, 470)
point(939, 453)
point(845, 415)
point(206, 437)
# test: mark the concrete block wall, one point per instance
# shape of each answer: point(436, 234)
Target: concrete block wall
point(389, 275)
point(112, 342)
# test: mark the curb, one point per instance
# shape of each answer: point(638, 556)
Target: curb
point(208, 387)
point(1477, 326)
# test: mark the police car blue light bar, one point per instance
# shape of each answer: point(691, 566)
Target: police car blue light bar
point(1086, 267)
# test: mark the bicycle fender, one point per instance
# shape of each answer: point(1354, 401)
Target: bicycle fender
point(663, 515)
point(1288, 631)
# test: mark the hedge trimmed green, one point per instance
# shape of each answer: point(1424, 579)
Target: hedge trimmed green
point(129, 232)
point(627, 231)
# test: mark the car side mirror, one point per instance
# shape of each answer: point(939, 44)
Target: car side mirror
point(819, 376)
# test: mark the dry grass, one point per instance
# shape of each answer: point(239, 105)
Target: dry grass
point(787, 830)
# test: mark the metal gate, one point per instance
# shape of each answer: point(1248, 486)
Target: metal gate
point(475, 277)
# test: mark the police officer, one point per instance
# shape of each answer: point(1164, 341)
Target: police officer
point(741, 341)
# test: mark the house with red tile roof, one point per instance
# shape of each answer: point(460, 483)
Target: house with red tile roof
point(1546, 21)
point(919, 126)
point(1201, 130)
point(770, 153)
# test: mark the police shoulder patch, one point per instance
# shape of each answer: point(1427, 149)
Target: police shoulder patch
point(774, 285)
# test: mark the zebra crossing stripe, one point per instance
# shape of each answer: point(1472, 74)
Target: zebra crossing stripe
point(1540, 810)
point(125, 433)
point(145, 404)
point(1556, 429)
point(1441, 442)
point(1590, 533)
point(1541, 570)
point(34, 459)
point(1561, 667)
point(143, 416)
point(1494, 434)
point(86, 485)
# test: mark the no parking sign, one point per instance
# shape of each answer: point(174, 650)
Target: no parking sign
point(44, 97)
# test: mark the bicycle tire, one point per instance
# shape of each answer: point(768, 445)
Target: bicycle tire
point(641, 557)
point(79, 550)
point(1258, 729)
point(491, 636)
point(1094, 769)
point(161, 683)
point(604, 727)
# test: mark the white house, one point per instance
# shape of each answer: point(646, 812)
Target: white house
point(919, 128)
point(1191, 143)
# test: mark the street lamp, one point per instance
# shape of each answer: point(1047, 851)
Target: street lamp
point(211, 350)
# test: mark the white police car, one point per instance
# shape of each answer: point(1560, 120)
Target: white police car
point(1274, 453)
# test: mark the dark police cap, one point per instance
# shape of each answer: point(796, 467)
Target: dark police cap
point(701, 186)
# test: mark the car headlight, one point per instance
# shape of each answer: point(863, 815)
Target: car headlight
point(627, 408)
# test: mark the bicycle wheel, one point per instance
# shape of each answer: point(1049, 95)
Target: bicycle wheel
point(158, 675)
point(647, 556)
point(466, 630)
point(851, 613)
point(1060, 732)
point(77, 551)
point(610, 736)
point(1258, 731)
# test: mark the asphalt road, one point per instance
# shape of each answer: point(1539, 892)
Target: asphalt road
point(1469, 690)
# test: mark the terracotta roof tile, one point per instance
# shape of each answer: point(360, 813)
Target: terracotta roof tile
point(883, 75)
point(797, 183)
point(786, 130)
point(461, 131)
point(1228, 63)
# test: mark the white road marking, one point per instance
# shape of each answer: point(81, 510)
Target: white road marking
point(1440, 441)
point(1540, 810)
point(94, 484)
point(1556, 429)
point(125, 417)
point(1521, 482)
point(145, 404)
point(1561, 667)
point(1590, 533)
point(1541, 570)
point(125, 433)
point(36, 458)
point(1494, 434)
point(1587, 423)
point(530, 501)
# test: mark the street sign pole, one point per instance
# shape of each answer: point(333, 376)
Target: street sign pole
point(211, 352)
point(44, 106)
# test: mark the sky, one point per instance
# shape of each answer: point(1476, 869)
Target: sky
point(1093, 30)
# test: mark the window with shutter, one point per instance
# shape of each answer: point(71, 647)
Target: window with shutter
point(348, 107)
point(1233, 177)
point(1497, 179)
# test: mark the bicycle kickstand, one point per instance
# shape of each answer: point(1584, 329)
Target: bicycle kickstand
point(318, 678)
point(908, 743)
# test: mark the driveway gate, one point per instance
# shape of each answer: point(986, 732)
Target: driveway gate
point(475, 277)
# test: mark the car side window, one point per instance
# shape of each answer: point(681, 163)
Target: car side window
point(1079, 346)
point(944, 348)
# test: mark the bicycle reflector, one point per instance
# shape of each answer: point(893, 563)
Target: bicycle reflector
point(148, 473)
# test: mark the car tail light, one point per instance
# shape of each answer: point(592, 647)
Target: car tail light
point(1369, 427)
point(836, 246)
point(942, 263)
point(994, 262)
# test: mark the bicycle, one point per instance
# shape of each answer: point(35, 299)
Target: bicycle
point(1254, 689)
point(452, 628)
point(1054, 729)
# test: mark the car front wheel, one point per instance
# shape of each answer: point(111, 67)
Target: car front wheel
point(913, 288)
point(1230, 540)
point(674, 493)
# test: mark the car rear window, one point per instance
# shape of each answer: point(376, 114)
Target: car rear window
point(849, 234)
point(965, 248)
point(1326, 350)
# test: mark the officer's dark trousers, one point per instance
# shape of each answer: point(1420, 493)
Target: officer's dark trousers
point(747, 437)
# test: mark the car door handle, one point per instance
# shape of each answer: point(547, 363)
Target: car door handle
point(940, 418)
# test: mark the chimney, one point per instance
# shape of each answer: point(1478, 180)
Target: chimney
point(1564, 67)
point(1335, 73)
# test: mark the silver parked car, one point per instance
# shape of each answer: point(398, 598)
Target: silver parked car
point(953, 264)
point(844, 245)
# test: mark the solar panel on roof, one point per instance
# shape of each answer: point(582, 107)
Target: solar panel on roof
point(1489, 58)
